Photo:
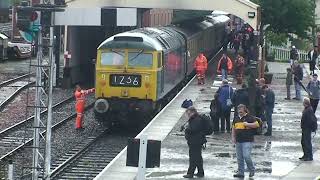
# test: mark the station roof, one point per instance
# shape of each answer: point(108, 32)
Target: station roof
point(245, 9)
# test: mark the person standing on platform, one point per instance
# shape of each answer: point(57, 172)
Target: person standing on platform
point(215, 113)
point(288, 83)
point(269, 100)
point(240, 96)
point(313, 88)
point(239, 64)
point(195, 139)
point(313, 56)
point(80, 104)
point(201, 66)
point(298, 76)
point(294, 55)
point(236, 42)
point(225, 94)
point(224, 66)
point(243, 131)
point(306, 118)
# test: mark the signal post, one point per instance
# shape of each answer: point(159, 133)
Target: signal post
point(33, 21)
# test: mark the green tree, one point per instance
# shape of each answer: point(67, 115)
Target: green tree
point(288, 16)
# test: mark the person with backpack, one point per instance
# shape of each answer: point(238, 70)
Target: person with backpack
point(313, 88)
point(306, 125)
point(243, 131)
point(225, 94)
point(215, 113)
point(195, 139)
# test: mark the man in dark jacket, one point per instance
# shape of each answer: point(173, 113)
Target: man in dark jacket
point(225, 94)
point(288, 83)
point(195, 138)
point(313, 88)
point(243, 131)
point(313, 56)
point(306, 118)
point(240, 97)
point(298, 75)
point(215, 113)
point(269, 99)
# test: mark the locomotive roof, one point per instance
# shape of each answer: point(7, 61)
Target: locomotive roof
point(157, 39)
point(137, 41)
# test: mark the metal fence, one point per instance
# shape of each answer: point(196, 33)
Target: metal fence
point(283, 54)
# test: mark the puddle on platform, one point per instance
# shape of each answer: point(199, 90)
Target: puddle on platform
point(229, 155)
point(277, 144)
point(281, 168)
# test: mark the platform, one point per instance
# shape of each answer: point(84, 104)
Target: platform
point(275, 157)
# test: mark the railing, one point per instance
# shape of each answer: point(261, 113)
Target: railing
point(283, 54)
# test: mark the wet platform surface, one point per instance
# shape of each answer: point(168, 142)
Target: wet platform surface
point(275, 157)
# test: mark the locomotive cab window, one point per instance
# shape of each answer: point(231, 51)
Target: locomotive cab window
point(140, 59)
point(113, 58)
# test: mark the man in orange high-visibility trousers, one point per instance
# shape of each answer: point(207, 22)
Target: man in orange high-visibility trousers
point(80, 104)
point(201, 65)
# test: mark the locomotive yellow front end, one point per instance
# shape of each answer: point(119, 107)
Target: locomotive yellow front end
point(125, 84)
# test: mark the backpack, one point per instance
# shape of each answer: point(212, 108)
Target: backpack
point(207, 124)
point(314, 123)
point(187, 103)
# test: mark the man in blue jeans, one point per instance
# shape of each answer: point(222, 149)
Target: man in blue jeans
point(269, 99)
point(243, 131)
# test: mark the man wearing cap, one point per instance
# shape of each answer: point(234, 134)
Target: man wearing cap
point(313, 56)
point(294, 55)
point(313, 91)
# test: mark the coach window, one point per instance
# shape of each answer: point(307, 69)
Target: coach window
point(112, 58)
point(140, 59)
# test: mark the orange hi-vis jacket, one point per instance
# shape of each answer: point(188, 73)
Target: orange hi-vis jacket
point(80, 99)
point(229, 65)
point(201, 63)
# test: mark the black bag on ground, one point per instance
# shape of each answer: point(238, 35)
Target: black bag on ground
point(207, 124)
point(186, 103)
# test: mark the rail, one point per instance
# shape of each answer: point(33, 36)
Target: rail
point(283, 54)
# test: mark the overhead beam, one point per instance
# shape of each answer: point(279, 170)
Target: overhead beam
point(240, 8)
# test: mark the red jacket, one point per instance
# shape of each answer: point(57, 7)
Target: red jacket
point(201, 63)
point(80, 98)
point(229, 65)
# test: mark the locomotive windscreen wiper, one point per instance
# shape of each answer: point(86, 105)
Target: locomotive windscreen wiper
point(142, 50)
point(117, 52)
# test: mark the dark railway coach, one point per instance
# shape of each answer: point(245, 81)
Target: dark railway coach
point(137, 71)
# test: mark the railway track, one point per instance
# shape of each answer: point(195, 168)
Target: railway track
point(17, 137)
point(89, 158)
point(11, 88)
